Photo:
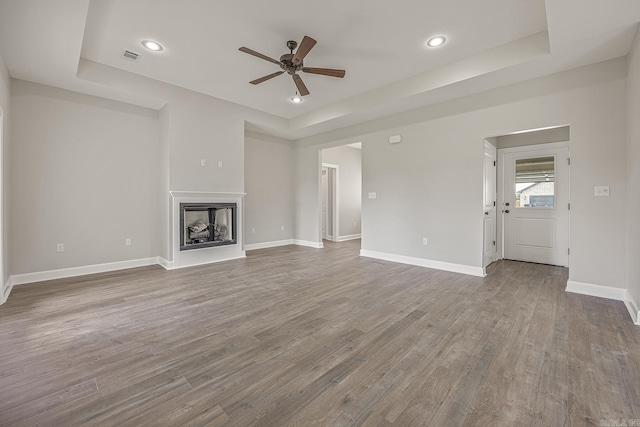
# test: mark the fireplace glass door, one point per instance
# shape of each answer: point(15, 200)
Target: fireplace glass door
point(207, 224)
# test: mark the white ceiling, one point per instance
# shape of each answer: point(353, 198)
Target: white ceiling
point(379, 43)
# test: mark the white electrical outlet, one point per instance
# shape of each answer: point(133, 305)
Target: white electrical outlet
point(203, 162)
point(372, 195)
point(253, 229)
point(282, 228)
point(425, 241)
point(60, 247)
point(219, 163)
point(127, 242)
point(601, 191)
point(355, 223)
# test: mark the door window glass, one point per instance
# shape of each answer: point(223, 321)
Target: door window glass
point(535, 182)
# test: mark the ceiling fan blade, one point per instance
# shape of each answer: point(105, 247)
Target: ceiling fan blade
point(306, 45)
point(324, 71)
point(259, 55)
point(265, 78)
point(302, 89)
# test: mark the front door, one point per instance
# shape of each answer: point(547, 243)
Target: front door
point(535, 203)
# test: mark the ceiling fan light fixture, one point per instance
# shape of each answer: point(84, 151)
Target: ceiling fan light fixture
point(436, 41)
point(296, 99)
point(151, 45)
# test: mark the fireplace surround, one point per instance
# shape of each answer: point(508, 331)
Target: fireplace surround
point(209, 240)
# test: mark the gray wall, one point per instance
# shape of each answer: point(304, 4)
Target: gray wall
point(430, 185)
point(5, 96)
point(193, 127)
point(268, 204)
point(633, 172)
point(85, 172)
point(164, 199)
point(349, 161)
point(201, 127)
point(307, 165)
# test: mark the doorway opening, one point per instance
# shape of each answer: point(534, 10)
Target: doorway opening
point(532, 197)
point(330, 202)
point(341, 193)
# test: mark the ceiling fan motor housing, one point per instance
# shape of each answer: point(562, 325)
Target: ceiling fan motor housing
point(286, 63)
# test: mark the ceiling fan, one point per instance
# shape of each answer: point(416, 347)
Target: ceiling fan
point(293, 62)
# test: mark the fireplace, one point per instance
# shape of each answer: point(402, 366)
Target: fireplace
point(214, 243)
point(204, 225)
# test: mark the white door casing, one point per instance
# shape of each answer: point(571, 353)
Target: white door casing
point(331, 203)
point(489, 205)
point(535, 233)
point(325, 200)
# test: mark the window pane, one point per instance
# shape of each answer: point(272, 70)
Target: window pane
point(535, 182)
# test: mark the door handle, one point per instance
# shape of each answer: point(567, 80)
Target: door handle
point(507, 211)
point(486, 213)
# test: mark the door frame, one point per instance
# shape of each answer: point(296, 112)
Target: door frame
point(332, 170)
point(494, 238)
point(324, 203)
point(500, 182)
point(3, 289)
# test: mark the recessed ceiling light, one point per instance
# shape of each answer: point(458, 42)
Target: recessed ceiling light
point(436, 41)
point(297, 99)
point(151, 45)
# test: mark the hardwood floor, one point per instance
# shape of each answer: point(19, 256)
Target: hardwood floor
point(302, 337)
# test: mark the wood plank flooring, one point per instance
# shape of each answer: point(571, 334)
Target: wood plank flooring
point(294, 336)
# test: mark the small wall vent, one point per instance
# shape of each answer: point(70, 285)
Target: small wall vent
point(131, 56)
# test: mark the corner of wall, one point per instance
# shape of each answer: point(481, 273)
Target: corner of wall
point(633, 307)
point(5, 180)
point(7, 287)
point(633, 173)
point(164, 198)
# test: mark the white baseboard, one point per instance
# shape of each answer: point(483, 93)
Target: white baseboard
point(264, 245)
point(607, 292)
point(21, 279)
point(349, 237)
point(166, 264)
point(422, 262)
point(633, 307)
point(173, 266)
point(600, 291)
point(40, 276)
point(310, 244)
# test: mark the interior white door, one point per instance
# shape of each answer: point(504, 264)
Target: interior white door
point(535, 199)
point(489, 208)
point(325, 201)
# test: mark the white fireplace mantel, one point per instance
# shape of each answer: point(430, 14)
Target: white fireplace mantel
point(204, 194)
point(204, 255)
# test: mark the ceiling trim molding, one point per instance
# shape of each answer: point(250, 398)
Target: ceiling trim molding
point(491, 60)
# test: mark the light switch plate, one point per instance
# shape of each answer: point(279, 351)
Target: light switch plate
point(601, 191)
point(372, 195)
